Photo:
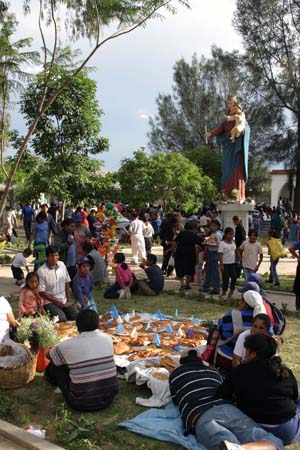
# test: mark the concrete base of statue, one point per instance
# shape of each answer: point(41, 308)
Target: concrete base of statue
point(235, 209)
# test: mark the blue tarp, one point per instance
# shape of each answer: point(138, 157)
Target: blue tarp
point(164, 424)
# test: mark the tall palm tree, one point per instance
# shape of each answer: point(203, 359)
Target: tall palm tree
point(13, 62)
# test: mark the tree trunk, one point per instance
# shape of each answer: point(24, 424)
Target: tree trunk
point(297, 188)
point(17, 163)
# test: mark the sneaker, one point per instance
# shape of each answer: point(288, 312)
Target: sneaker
point(226, 445)
point(187, 287)
point(276, 284)
point(230, 293)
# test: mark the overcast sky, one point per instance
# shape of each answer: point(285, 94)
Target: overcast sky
point(133, 69)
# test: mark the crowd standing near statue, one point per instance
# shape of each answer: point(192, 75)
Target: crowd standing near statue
point(196, 248)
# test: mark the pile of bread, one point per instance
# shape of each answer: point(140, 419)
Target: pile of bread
point(140, 338)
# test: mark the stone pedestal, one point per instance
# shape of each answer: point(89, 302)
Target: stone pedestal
point(235, 209)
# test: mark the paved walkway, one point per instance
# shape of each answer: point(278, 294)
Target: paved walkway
point(286, 266)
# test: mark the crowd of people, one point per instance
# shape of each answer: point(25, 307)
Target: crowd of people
point(236, 394)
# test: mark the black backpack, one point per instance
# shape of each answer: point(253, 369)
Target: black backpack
point(279, 318)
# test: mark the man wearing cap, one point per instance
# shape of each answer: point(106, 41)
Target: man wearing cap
point(83, 285)
point(54, 287)
point(216, 423)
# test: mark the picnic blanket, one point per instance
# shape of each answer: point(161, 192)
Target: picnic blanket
point(162, 424)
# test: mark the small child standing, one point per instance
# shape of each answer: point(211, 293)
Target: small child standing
point(227, 250)
point(276, 251)
point(249, 252)
point(20, 260)
point(30, 302)
point(83, 285)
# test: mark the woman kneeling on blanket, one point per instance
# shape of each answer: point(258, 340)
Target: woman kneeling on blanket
point(216, 423)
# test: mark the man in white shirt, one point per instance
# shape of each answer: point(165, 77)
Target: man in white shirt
point(136, 230)
point(54, 287)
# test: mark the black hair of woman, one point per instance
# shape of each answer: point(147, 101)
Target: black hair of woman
point(67, 222)
point(265, 347)
point(41, 217)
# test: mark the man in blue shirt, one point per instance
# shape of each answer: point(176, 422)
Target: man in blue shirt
point(27, 213)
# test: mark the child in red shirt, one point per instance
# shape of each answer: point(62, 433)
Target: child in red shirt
point(124, 276)
point(30, 302)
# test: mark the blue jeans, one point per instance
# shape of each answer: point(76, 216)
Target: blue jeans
point(27, 228)
point(226, 422)
point(198, 271)
point(274, 271)
point(247, 273)
point(90, 305)
point(212, 272)
point(288, 431)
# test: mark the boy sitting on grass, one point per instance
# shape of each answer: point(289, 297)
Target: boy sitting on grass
point(20, 260)
point(155, 282)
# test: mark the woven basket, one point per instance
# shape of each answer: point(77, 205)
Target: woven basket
point(12, 378)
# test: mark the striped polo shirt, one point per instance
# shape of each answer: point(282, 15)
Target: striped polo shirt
point(193, 388)
point(92, 369)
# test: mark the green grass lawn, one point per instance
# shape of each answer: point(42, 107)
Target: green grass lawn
point(39, 404)
point(286, 283)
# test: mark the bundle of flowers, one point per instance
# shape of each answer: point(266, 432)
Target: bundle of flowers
point(39, 331)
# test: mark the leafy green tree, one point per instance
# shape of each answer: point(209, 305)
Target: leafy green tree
point(68, 132)
point(83, 19)
point(170, 178)
point(209, 160)
point(197, 104)
point(271, 35)
point(259, 178)
point(82, 183)
point(71, 125)
point(13, 57)
point(197, 101)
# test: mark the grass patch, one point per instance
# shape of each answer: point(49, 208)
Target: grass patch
point(5, 259)
point(286, 283)
point(38, 403)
